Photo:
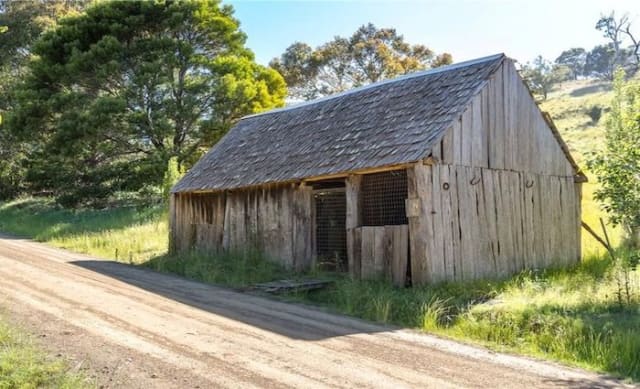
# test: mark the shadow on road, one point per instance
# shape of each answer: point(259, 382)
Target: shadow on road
point(292, 320)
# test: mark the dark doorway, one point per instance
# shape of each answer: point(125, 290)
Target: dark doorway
point(331, 233)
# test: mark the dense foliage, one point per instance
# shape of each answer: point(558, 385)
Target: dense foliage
point(23, 22)
point(115, 92)
point(617, 166)
point(369, 55)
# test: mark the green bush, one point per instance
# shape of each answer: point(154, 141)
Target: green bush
point(595, 113)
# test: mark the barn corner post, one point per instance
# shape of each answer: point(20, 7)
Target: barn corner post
point(578, 216)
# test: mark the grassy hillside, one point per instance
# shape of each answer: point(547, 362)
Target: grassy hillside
point(569, 106)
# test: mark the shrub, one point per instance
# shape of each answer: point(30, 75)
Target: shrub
point(171, 176)
point(595, 113)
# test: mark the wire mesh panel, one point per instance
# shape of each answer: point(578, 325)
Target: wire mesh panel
point(383, 198)
point(331, 234)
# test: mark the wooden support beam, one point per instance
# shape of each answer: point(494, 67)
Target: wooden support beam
point(359, 171)
point(597, 237)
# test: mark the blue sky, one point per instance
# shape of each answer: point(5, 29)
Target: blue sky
point(465, 28)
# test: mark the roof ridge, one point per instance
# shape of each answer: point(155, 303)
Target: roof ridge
point(422, 73)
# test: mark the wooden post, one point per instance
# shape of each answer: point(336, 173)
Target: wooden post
point(354, 219)
point(606, 236)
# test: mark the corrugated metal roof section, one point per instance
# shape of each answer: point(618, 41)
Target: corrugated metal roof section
point(392, 122)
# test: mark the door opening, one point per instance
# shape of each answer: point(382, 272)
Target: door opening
point(331, 233)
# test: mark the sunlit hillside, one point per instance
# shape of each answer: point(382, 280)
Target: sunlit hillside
point(570, 106)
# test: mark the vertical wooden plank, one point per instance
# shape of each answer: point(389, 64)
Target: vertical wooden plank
point(519, 219)
point(388, 251)
point(312, 225)
point(251, 219)
point(436, 151)
point(478, 148)
point(486, 124)
point(399, 259)
point(285, 220)
point(226, 232)
point(466, 140)
point(483, 257)
point(301, 227)
point(419, 183)
point(466, 227)
point(527, 222)
point(379, 251)
point(457, 142)
point(356, 237)
point(172, 222)
point(457, 257)
point(491, 221)
point(438, 271)
point(508, 117)
point(447, 217)
point(368, 253)
point(499, 127)
point(448, 146)
point(269, 224)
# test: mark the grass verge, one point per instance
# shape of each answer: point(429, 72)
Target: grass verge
point(128, 234)
point(572, 315)
point(24, 365)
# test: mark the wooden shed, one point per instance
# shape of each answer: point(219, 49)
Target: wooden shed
point(448, 174)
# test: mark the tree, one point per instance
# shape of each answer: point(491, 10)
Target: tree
point(617, 166)
point(574, 59)
point(116, 92)
point(541, 75)
point(23, 23)
point(368, 56)
point(600, 62)
point(616, 30)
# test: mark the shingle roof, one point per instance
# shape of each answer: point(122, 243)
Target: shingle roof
point(392, 122)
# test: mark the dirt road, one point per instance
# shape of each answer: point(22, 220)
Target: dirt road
point(131, 327)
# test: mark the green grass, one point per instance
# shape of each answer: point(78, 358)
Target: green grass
point(569, 315)
point(128, 234)
point(238, 269)
point(24, 365)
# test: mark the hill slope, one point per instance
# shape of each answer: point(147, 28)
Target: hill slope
point(569, 106)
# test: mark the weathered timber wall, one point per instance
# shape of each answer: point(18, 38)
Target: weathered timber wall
point(380, 252)
point(276, 220)
point(504, 129)
point(470, 222)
